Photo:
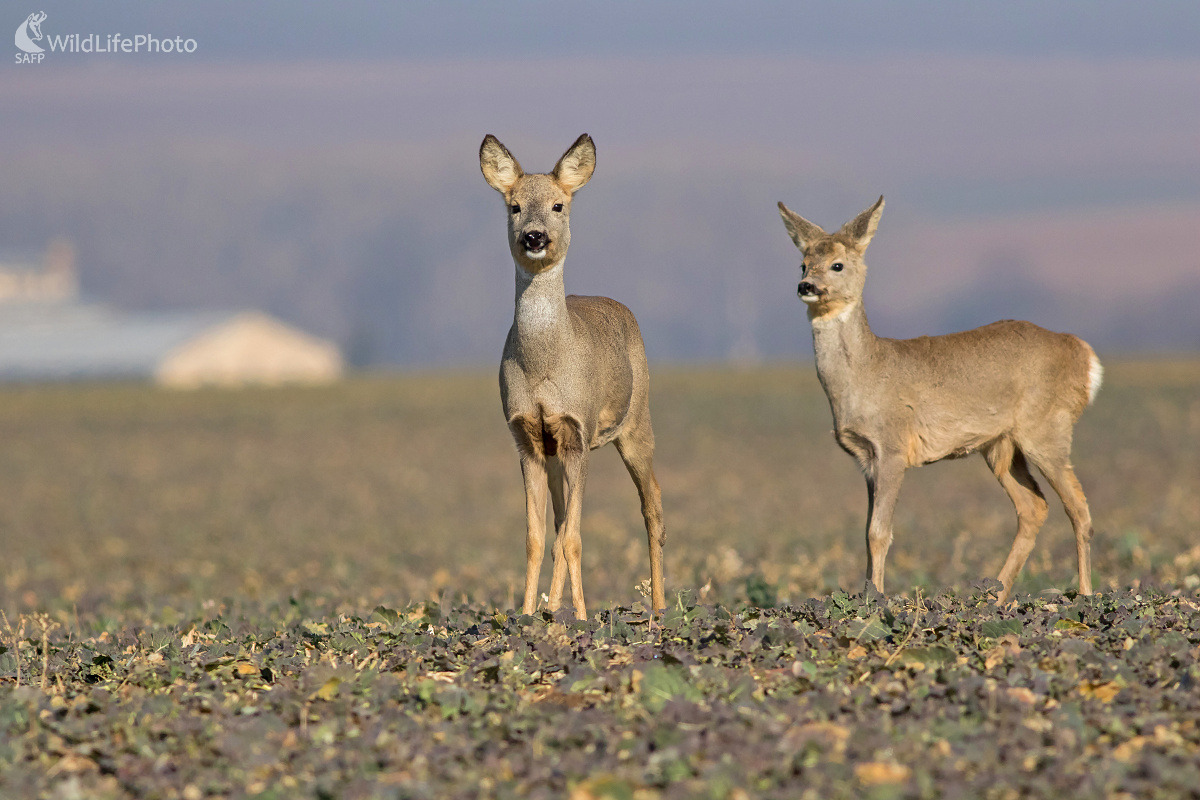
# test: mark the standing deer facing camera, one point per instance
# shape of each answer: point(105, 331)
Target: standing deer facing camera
point(1010, 390)
point(573, 376)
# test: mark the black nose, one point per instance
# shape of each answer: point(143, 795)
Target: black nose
point(806, 288)
point(535, 240)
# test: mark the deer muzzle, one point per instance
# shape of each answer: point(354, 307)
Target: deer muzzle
point(809, 292)
point(535, 241)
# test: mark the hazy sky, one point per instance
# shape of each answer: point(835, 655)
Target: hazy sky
point(1038, 158)
point(308, 30)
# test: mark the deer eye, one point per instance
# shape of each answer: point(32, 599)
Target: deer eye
point(516, 209)
point(558, 206)
point(838, 267)
point(803, 270)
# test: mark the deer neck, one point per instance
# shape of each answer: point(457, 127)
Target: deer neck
point(844, 346)
point(541, 325)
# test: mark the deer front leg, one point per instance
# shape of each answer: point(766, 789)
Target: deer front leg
point(570, 541)
point(534, 472)
point(883, 489)
point(554, 469)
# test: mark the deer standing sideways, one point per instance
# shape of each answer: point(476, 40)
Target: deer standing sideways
point(1010, 390)
point(573, 376)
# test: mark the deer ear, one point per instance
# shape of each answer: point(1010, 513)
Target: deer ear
point(575, 167)
point(500, 169)
point(861, 229)
point(803, 232)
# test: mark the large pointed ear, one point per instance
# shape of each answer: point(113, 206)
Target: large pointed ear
point(861, 229)
point(803, 232)
point(500, 169)
point(575, 167)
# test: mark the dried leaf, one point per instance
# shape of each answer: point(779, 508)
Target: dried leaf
point(1104, 692)
point(875, 773)
point(831, 736)
point(1126, 751)
point(1021, 695)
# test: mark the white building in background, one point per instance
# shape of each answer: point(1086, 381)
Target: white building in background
point(46, 334)
point(45, 277)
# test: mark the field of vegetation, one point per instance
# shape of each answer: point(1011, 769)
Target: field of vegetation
point(310, 593)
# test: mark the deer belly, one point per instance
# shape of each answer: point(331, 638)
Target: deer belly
point(926, 449)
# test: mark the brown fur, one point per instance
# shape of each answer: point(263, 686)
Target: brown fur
point(542, 436)
point(1010, 390)
point(573, 376)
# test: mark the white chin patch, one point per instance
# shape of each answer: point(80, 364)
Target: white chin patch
point(809, 298)
point(538, 256)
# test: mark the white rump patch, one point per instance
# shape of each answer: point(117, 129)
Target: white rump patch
point(1095, 375)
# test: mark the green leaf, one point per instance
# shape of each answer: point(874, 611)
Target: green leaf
point(328, 690)
point(760, 593)
point(934, 655)
point(804, 669)
point(996, 628)
point(868, 630)
point(604, 787)
point(1070, 625)
point(617, 628)
point(388, 615)
point(588, 683)
point(662, 683)
point(1174, 642)
point(672, 617)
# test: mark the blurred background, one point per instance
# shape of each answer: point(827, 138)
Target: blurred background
point(316, 162)
point(301, 195)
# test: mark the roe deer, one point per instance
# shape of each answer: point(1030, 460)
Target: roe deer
point(1010, 390)
point(573, 376)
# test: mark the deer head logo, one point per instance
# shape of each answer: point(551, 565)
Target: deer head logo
point(30, 31)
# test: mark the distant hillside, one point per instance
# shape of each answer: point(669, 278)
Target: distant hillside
point(347, 198)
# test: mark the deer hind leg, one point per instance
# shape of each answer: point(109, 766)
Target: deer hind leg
point(1053, 457)
point(1009, 466)
point(637, 451)
point(566, 434)
point(1062, 479)
point(1066, 485)
point(883, 490)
